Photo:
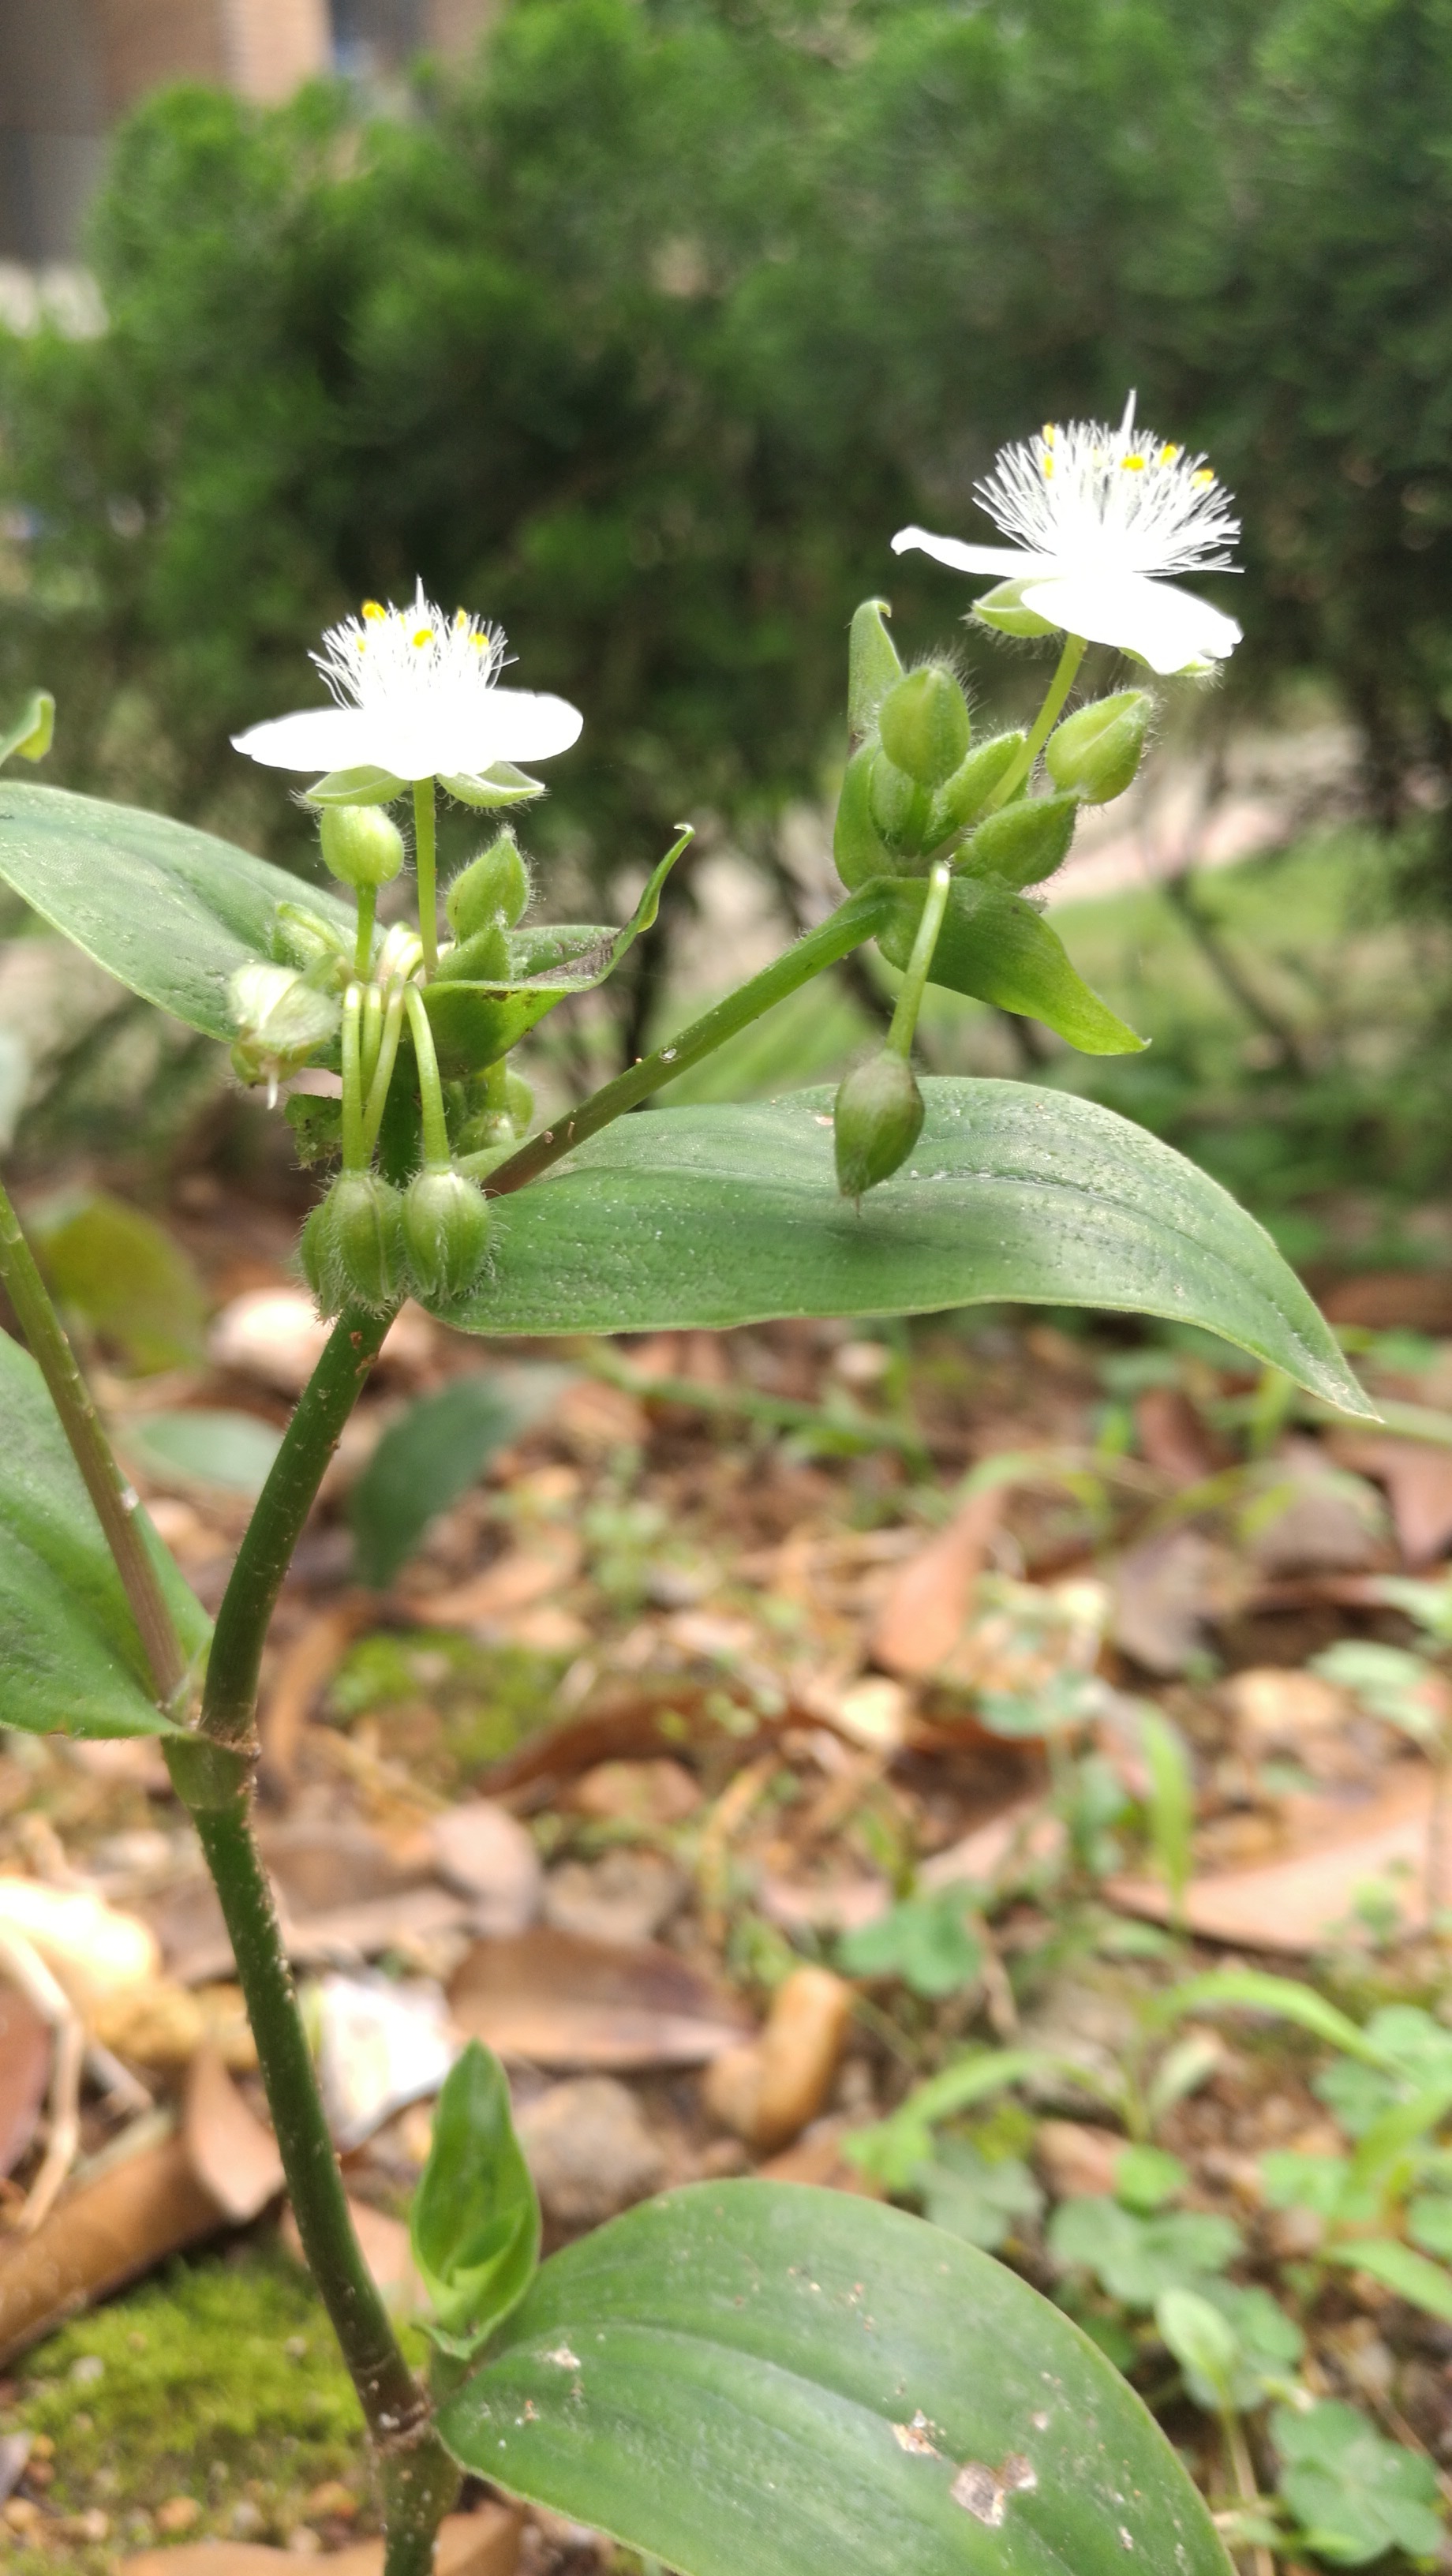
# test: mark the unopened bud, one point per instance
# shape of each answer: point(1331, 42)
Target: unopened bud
point(352, 1245)
point(317, 948)
point(1023, 843)
point(876, 1119)
point(446, 1234)
point(281, 1021)
point(857, 845)
point(492, 888)
point(924, 725)
point(898, 807)
point(361, 844)
point(495, 1124)
point(872, 665)
point(1094, 753)
point(1004, 611)
point(961, 798)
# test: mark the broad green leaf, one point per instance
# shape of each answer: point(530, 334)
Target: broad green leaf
point(433, 1454)
point(1355, 2494)
point(997, 947)
point(1259, 1992)
point(474, 2224)
point(761, 2379)
point(1413, 2276)
point(474, 1024)
point(124, 1276)
point(1204, 2344)
point(231, 1452)
point(1136, 2259)
point(1146, 2177)
point(714, 1216)
point(69, 1652)
point(170, 912)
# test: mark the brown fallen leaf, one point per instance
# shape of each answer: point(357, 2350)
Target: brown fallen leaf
point(1025, 1835)
point(1389, 1301)
point(232, 2155)
point(512, 1583)
point(1172, 1436)
point(921, 1616)
point(769, 2090)
point(817, 2157)
point(482, 2543)
point(486, 1854)
point(659, 1792)
point(303, 1671)
point(145, 2206)
point(631, 1722)
point(25, 2055)
point(1276, 1709)
point(1314, 1517)
point(164, 2025)
point(554, 1999)
point(1077, 2160)
point(1164, 1591)
point(1418, 1482)
point(1292, 1902)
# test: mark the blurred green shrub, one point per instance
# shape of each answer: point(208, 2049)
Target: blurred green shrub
point(645, 330)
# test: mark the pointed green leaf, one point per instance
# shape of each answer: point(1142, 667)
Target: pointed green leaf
point(761, 2379)
point(1413, 2276)
point(716, 1216)
point(69, 1650)
point(433, 1454)
point(995, 946)
point(474, 2224)
point(170, 912)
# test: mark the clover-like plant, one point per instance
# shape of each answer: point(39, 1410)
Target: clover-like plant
point(740, 2378)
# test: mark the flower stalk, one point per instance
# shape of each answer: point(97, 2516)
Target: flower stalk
point(424, 866)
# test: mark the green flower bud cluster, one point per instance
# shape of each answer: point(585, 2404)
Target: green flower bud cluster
point(916, 782)
point(918, 788)
point(371, 1244)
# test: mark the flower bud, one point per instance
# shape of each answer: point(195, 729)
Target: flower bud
point(857, 845)
point(492, 888)
point(876, 1118)
point(281, 1021)
point(872, 665)
point(1003, 609)
point(445, 1233)
point(483, 958)
point(961, 798)
point(493, 1124)
point(1023, 843)
point(898, 807)
point(317, 948)
point(361, 844)
point(924, 727)
point(1095, 752)
point(352, 1245)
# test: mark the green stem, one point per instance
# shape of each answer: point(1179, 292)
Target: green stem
point(372, 1039)
point(910, 998)
point(363, 952)
point(354, 1159)
point(276, 1524)
point(858, 919)
point(382, 1076)
point(418, 2478)
point(112, 1497)
point(436, 1150)
point(423, 855)
point(1048, 716)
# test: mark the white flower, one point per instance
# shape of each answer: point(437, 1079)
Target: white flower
point(416, 694)
point(1101, 517)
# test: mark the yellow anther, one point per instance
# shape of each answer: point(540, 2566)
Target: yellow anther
point(1132, 464)
point(1168, 455)
point(461, 620)
point(373, 609)
point(1202, 481)
point(425, 635)
point(1050, 432)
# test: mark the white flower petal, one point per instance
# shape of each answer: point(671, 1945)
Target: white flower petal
point(1166, 627)
point(1007, 560)
point(316, 738)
